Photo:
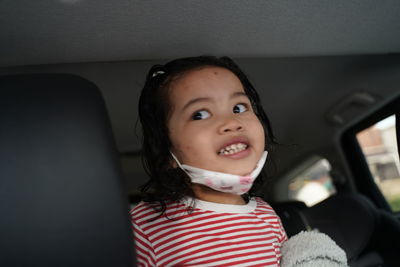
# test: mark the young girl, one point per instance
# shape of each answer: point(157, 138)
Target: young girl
point(205, 140)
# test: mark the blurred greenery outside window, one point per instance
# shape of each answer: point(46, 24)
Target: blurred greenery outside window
point(312, 185)
point(379, 146)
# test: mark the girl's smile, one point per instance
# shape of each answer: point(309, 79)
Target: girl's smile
point(236, 148)
point(212, 124)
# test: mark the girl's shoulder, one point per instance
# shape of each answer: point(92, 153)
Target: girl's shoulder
point(260, 201)
point(149, 210)
point(139, 207)
point(263, 206)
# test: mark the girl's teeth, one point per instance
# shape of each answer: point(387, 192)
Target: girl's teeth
point(234, 148)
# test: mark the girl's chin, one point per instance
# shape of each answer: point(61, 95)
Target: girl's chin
point(241, 168)
point(239, 171)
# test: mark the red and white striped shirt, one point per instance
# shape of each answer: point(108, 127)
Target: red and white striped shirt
point(211, 234)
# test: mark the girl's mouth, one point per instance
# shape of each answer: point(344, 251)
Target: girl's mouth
point(233, 148)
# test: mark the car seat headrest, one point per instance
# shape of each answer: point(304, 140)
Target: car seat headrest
point(61, 193)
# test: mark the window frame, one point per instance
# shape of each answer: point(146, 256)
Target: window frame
point(356, 160)
point(311, 163)
point(279, 191)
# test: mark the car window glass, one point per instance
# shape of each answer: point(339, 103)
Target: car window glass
point(312, 185)
point(379, 146)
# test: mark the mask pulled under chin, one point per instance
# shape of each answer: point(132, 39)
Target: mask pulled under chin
point(223, 182)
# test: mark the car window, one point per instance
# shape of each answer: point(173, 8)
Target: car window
point(379, 146)
point(312, 185)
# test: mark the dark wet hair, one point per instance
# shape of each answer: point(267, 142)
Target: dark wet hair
point(167, 183)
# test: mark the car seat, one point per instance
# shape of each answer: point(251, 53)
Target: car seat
point(369, 236)
point(61, 193)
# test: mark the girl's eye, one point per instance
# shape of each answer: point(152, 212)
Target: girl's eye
point(201, 115)
point(239, 108)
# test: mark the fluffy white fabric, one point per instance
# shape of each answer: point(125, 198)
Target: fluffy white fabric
point(312, 249)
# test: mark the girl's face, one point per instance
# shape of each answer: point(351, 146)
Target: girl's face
point(212, 124)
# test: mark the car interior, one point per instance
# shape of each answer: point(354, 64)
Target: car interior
point(71, 72)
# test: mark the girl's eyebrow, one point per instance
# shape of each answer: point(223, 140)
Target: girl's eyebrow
point(208, 99)
point(196, 100)
point(240, 93)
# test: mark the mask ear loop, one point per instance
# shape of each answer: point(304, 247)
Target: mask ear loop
point(261, 163)
point(179, 164)
point(176, 160)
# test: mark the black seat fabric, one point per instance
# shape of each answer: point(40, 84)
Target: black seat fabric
point(61, 193)
point(292, 217)
point(369, 237)
point(349, 219)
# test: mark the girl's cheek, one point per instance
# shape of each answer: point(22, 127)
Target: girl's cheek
point(261, 135)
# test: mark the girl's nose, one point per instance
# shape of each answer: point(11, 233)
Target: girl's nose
point(230, 125)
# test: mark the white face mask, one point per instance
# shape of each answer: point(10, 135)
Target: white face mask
point(223, 182)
